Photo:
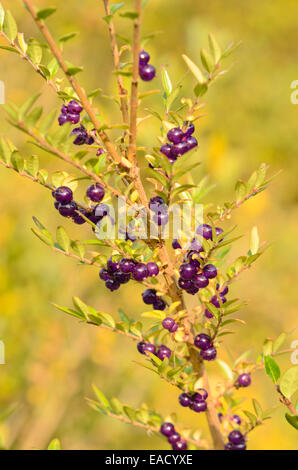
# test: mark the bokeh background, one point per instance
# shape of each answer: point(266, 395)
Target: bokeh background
point(51, 360)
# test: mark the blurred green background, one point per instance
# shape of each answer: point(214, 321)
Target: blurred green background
point(51, 360)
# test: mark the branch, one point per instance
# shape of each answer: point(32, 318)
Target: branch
point(75, 85)
point(286, 401)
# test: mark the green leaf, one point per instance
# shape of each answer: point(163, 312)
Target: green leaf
point(2, 15)
point(200, 89)
point(130, 412)
point(32, 165)
point(163, 366)
point(166, 81)
point(34, 116)
point(257, 408)
point(43, 237)
point(254, 241)
point(10, 49)
point(63, 238)
point(34, 51)
point(292, 420)
point(54, 445)
point(78, 303)
point(214, 48)
point(272, 369)
point(107, 319)
point(25, 108)
point(131, 15)
point(253, 419)
point(241, 190)
point(289, 382)
point(116, 406)
point(9, 26)
point(72, 69)
point(279, 341)
point(17, 161)
point(101, 397)
point(194, 69)
point(225, 368)
point(207, 61)
point(47, 122)
point(45, 12)
point(115, 7)
point(70, 311)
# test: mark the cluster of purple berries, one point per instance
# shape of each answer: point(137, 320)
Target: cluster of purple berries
point(70, 113)
point(236, 441)
point(169, 324)
point(244, 380)
point(196, 401)
point(160, 210)
point(120, 272)
point(181, 141)
point(192, 277)
point(162, 352)
point(174, 438)
point(216, 301)
point(146, 71)
point(82, 137)
point(204, 343)
point(150, 297)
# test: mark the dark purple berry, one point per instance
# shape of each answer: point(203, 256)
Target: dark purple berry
point(163, 352)
point(64, 109)
point(140, 272)
point(153, 269)
point(159, 304)
point(208, 314)
point(189, 129)
point(210, 271)
point(100, 151)
point(194, 262)
point(228, 446)
point(74, 107)
point(201, 281)
point(95, 192)
point(187, 271)
point(235, 437)
point(101, 210)
point(180, 445)
point(209, 354)
point(161, 218)
point(224, 291)
point(196, 246)
point(68, 210)
point(149, 296)
point(185, 284)
point(64, 195)
point(174, 328)
point(175, 437)
point(166, 150)
point(62, 119)
point(147, 72)
point(126, 265)
point(236, 419)
point(214, 300)
point(150, 348)
point(203, 341)
point(157, 204)
point(176, 245)
point(218, 231)
point(121, 277)
point(144, 58)
point(199, 406)
point(179, 149)
point(244, 380)
point(240, 446)
point(205, 231)
point(193, 290)
point(104, 274)
point(167, 429)
point(57, 204)
point(140, 347)
point(112, 284)
point(73, 118)
point(175, 135)
point(168, 322)
point(220, 416)
point(190, 142)
point(185, 399)
point(78, 219)
point(201, 394)
point(112, 266)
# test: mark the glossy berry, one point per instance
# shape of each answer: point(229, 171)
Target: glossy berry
point(235, 437)
point(201, 281)
point(193, 290)
point(63, 194)
point(153, 269)
point(207, 313)
point(150, 348)
point(100, 151)
point(73, 118)
point(215, 301)
point(244, 380)
point(74, 107)
point(126, 265)
point(185, 399)
point(187, 271)
point(101, 210)
point(236, 419)
point(196, 246)
point(95, 192)
point(121, 277)
point(218, 231)
point(180, 445)
point(240, 446)
point(175, 135)
point(180, 149)
point(176, 245)
point(62, 119)
point(68, 210)
point(112, 266)
point(199, 406)
point(140, 272)
point(147, 72)
point(166, 150)
point(203, 341)
point(201, 394)
point(159, 304)
point(140, 347)
point(144, 58)
point(161, 219)
point(64, 109)
point(149, 296)
point(210, 271)
point(205, 231)
point(112, 284)
point(191, 142)
point(209, 354)
point(104, 274)
point(228, 446)
point(78, 219)
point(185, 284)
point(173, 438)
point(168, 323)
point(189, 129)
point(224, 291)
point(163, 352)
point(157, 204)
point(167, 429)
point(174, 328)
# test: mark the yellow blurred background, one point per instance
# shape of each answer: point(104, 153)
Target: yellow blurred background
point(51, 360)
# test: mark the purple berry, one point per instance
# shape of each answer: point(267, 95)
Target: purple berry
point(199, 406)
point(153, 269)
point(57, 204)
point(147, 72)
point(140, 347)
point(187, 271)
point(159, 304)
point(95, 192)
point(185, 399)
point(62, 119)
point(236, 419)
point(240, 446)
point(235, 437)
point(144, 58)
point(196, 246)
point(244, 380)
point(112, 266)
point(174, 328)
point(205, 231)
point(112, 284)
point(180, 445)
point(209, 354)
point(200, 281)
point(228, 446)
point(64, 109)
point(74, 107)
point(163, 352)
point(208, 314)
point(126, 265)
point(167, 429)
point(140, 272)
point(179, 149)
point(214, 300)
point(121, 277)
point(101, 210)
point(203, 341)
point(190, 129)
point(73, 118)
point(193, 290)
point(149, 348)
point(104, 274)
point(175, 244)
point(201, 394)
point(220, 416)
point(168, 322)
point(166, 150)
point(224, 291)
point(78, 219)
point(68, 210)
point(190, 142)
point(157, 204)
point(210, 271)
point(175, 135)
point(100, 151)
point(175, 437)
point(161, 218)
point(149, 296)
point(218, 231)
point(64, 195)
point(185, 284)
